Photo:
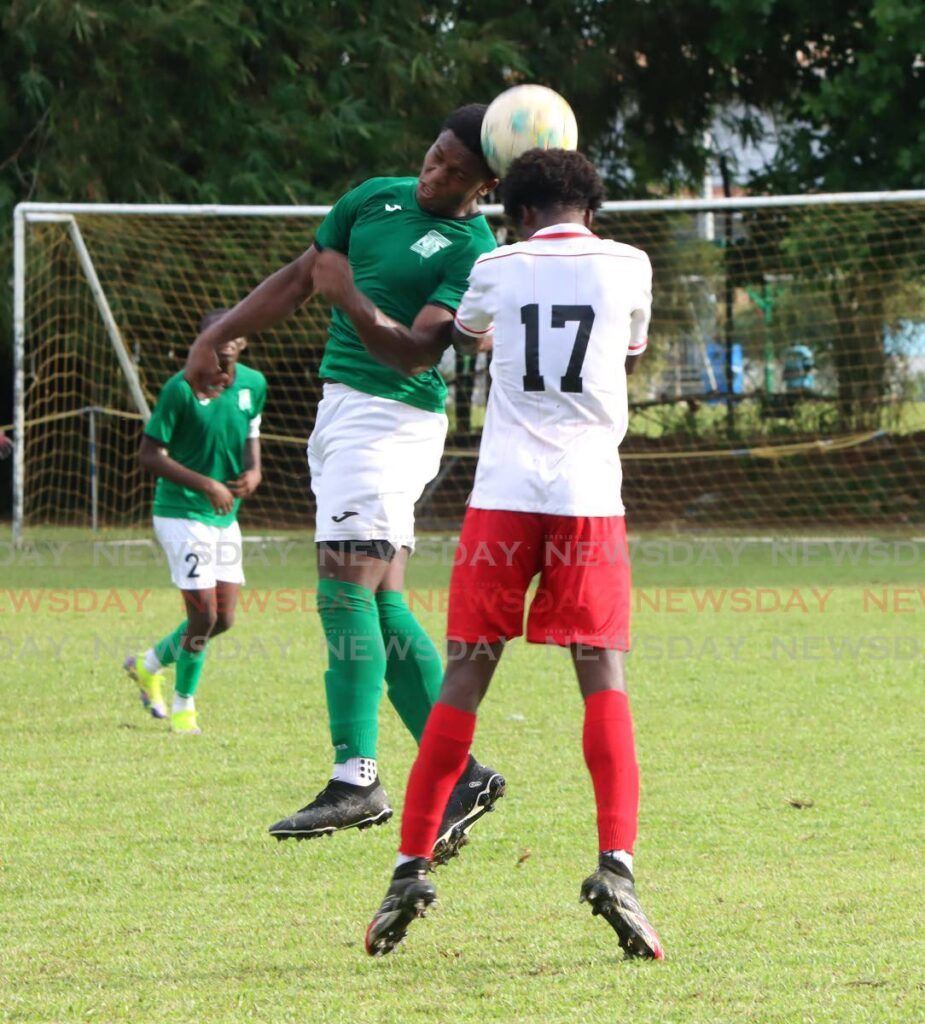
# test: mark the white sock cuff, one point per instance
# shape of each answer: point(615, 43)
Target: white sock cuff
point(626, 859)
point(152, 662)
point(357, 771)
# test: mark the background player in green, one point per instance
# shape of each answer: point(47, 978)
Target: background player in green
point(206, 455)
point(377, 442)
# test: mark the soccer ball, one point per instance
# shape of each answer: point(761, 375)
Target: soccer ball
point(522, 118)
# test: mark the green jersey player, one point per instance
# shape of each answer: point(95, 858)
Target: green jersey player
point(377, 441)
point(205, 452)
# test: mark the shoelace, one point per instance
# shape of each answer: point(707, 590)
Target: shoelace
point(328, 797)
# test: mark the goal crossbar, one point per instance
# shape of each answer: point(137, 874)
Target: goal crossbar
point(35, 211)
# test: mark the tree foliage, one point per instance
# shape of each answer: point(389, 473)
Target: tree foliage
point(295, 100)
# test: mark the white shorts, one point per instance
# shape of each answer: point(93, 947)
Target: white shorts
point(370, 459)
point(199, 555)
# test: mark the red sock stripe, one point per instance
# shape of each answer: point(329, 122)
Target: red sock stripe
point(610, 753)
point(441, 759)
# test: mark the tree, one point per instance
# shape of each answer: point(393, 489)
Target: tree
point(277, 101)
point(295, 100)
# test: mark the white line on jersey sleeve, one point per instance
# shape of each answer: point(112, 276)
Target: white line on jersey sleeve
point(254, 429)
point(475, 316)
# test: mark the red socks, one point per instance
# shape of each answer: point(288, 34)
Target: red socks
point(610, 754)
point(441, 759)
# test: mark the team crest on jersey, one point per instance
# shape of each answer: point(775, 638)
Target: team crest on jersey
point(429, 244)
point(244, 399)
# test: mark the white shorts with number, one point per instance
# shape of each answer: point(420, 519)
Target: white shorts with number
point(200, 555)
point(370, 459)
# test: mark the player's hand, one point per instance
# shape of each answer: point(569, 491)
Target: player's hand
point(6, 446)
point(220, 498)
point(244, 485)
point(202, 371)
point(333, 278)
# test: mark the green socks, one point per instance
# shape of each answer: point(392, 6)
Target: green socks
point(168, 649)
point(368, 637)
point(189, 668)
point(414, 670)
point(356, 666)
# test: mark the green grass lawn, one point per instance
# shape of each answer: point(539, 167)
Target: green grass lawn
point(137, 881)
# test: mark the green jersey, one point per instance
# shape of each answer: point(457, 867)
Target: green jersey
point(207, 435)
point(403, 259)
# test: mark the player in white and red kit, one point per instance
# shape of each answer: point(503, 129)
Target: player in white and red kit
point(569, 314)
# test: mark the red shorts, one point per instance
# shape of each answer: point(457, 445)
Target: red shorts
point(584, 588)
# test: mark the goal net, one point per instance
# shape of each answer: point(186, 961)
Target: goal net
point(784, 383)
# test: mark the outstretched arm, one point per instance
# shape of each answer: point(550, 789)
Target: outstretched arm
point(410, 350)
point(274, 299)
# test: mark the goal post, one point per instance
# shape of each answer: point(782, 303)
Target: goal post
point(784, 384)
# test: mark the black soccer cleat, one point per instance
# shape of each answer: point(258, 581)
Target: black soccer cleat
point(611, 893)
point(476, 793)
point(338, 806)
point(408, 897)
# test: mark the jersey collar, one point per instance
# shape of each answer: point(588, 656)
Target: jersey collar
point(562, 231)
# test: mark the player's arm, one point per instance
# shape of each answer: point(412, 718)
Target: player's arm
point(273, 300)
point(153, 457)
point(632, 362)
point(473, 325)
point(639, 320)
point(249, 479)
point(410, 350)
point(466, 345)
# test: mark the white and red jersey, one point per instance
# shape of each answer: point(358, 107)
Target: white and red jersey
point(566, 308)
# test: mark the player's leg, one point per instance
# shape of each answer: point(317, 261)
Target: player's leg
point(201, 616)
point(226, 605)
point(147, 668)
point(497, 556)
point(610, 755)
point(609, 747)
point(414, 675)
point(485, 610)
point(369, 458)
point(349, 573)
point(414, 668)
point(583, 602)
point(185, 544)
point(229, 576)
point(210, 593)
point(442, 756)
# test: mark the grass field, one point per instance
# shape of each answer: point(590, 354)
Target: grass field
point(780, 856)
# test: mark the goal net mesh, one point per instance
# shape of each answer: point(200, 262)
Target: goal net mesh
point(784, 384)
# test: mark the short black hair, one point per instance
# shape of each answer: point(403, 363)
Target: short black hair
point(466, 124)
point(544, 178)
point(210, 318)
